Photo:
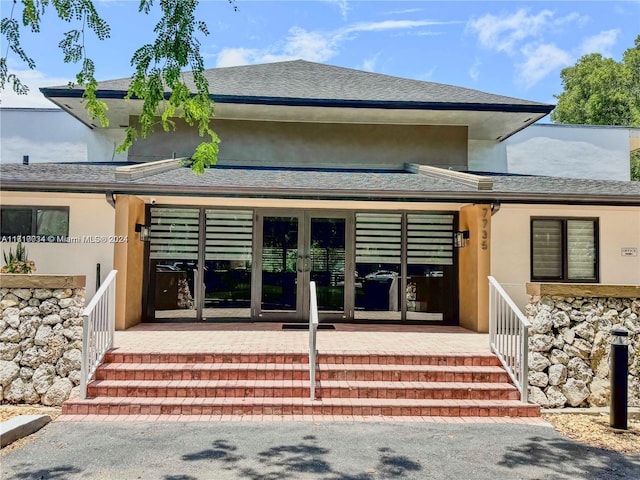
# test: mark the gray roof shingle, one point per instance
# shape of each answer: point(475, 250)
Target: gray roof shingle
point(300, 79)
point(259, 181)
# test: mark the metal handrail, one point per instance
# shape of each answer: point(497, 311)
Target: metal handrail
point(313, 333)
point(98, 327)
point(509, 336)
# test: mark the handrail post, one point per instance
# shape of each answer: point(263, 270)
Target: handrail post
point(492, 317)
point(313, 329)
point(524, 364)
point(84, 366)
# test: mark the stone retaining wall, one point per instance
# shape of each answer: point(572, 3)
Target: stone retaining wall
point(40, 338)
point(570, 343)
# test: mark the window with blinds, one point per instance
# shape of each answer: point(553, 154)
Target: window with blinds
point(430, 239)
point(229, 235)
point(378, 238)
point(564, 249)
point(581, 250)
point(547, 249)
point(173, 233)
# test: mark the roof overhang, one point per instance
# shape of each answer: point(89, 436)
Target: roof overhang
point(480, 196)
point(484, 121)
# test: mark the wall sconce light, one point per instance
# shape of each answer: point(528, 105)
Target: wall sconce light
point(143, 230)
point(460, 238)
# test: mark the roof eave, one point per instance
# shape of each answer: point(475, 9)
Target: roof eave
point(334, 194)
point(544, 109)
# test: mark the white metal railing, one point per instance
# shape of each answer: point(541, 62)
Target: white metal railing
point(313, 333)
point(509, 336)
point(98, 326)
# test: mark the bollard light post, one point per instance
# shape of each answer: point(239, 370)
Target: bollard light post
point(618, 377)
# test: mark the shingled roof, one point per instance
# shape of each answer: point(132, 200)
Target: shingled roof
point(300, 80)
point(294, 183)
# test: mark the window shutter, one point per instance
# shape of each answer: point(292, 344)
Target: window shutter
point(547, 249)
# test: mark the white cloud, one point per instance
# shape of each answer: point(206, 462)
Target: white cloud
point(315, 46)
point(403, 12)
point(600, 43)
point(34, 79)
point(540, 60)
point(522, 35)
point(232, 57)
point(503, 33)
point(426, 76)
point(390, 25)
point(343, 6)
point(369, 64)
point(474, 70)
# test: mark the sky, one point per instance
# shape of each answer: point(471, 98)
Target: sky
point(504, 47)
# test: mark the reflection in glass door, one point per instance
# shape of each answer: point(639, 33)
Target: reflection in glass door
point(227, 265)
point(280, 264)
point(295, 250)
point(173, 258)
point(327, 263)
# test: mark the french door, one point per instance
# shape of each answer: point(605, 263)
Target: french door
point(294, 248)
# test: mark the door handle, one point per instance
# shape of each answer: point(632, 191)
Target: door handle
point(303, 264)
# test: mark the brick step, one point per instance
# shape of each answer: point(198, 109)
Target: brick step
point(145, 357)
point(262, 371)
point(454, 359)
point(298, 406)
point(300, 388)
point(412, 373)
point(202, 371)
point(416, 390)
point(198, 388)
point(460, 359)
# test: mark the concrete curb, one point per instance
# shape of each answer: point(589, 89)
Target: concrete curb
point(21, 426)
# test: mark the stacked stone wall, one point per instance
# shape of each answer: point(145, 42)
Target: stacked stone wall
point(569, 349)
point(40, 344)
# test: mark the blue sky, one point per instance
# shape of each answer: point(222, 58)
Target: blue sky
point(504, 47)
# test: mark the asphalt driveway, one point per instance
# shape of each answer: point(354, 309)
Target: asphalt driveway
point(305, 450)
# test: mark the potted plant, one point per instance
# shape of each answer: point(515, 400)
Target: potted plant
point(17, 262)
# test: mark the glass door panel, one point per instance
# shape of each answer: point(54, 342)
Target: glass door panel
point(279, 263)
point(378, 266)
point(173, 257)
point(327, 262)
point(227, 266)
point(430, 290)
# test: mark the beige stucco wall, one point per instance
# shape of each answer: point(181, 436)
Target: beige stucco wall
point(89, 215)
point(129, 261)
point(315, 144)
point(510, 261)
point(474, 261)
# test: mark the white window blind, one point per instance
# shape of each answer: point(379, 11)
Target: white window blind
point(173, 233)
point(378, 238)
point(430, 239)
point(229, 235)
point(547, 249)
point(581, 249)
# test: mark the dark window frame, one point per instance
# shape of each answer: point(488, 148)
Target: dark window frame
point(564, 250)
point(34, 220)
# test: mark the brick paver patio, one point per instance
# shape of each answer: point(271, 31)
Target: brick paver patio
point(270, 337)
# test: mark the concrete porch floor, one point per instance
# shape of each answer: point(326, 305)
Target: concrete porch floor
point(271, 338)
